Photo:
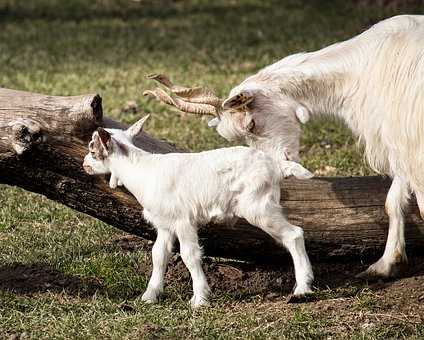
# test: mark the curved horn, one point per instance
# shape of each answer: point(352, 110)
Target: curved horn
point(197, 100)
point(180, 104)
point(160, 78)
point(195, 94)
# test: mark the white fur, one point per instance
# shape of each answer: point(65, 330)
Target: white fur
point(375, 83)
point(182, 191)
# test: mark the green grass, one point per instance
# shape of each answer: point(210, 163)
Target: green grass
point(104, 46)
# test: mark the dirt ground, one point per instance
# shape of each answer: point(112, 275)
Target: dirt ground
point(396, 301)
point(343, 299)
point(249, 279)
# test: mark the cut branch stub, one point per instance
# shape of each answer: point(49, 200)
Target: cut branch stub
point(58, 115)
point(24, 133)
point(27, 119)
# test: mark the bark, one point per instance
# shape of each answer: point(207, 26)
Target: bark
point(43, 141)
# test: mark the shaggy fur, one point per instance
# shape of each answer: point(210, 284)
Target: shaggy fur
point(374, 82)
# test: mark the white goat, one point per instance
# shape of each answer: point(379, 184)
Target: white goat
point(375, 83)
point(181, 191)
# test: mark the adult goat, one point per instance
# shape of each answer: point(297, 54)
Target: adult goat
point(374, 82)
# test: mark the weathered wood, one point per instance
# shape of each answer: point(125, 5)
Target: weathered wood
point(43, 141)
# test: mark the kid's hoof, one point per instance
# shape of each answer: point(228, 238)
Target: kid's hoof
point(383, 270)
point(301, 294)
point(198, 301)
point(149, 297)
point(308, 297)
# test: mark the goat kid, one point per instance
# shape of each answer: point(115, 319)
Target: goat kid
point(181, 191)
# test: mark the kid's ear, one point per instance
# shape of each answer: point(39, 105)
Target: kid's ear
point(302, 114)
point(137, 127)
point(296, 170)
point(104, 137)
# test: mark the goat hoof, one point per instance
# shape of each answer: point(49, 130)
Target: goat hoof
point(307, 297)
point(300, 294)
point(149, 297)
point(302, 290)
point(198, 301)
point(383, 270)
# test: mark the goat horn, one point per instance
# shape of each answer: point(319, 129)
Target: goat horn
point(199, 108)
point(181, 91)
point(160, 78)
point(197, 100)
point(191, 94)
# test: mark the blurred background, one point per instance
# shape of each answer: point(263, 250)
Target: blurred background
point(75, 47)
point(108, 46)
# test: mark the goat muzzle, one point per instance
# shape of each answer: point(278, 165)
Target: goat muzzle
point(88, 169)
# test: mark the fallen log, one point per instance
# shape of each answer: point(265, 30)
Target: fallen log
point(43, 141)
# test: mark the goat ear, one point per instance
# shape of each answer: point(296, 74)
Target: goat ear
point(239, 100)
point(137, 127)
point(295, 169)
point(249, 123)
point(104, 137)
point(213, 122)
point(302, 114)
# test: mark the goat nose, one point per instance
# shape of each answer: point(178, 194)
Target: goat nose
point(87, 169)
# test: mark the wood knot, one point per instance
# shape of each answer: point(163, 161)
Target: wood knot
point(24, 133)
point(96, 105)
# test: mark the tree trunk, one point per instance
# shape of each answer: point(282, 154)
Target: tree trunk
point(43, 141)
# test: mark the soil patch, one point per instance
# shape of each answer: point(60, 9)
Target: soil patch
point(39, 277)
point(242, 280)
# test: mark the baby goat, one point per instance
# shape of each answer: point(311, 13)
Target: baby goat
point(181, 191)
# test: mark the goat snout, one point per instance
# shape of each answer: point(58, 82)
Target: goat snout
point(88, 169)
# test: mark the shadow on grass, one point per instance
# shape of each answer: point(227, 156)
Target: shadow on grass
point(39, 277)
point(77, 11)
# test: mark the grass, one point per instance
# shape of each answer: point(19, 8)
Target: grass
point(104, 46)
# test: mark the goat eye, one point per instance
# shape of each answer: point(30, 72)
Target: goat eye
point(93, 154)
point(251, 126)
